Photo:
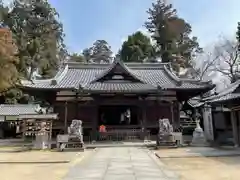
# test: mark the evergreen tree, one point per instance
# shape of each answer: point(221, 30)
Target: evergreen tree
point(238, 36)
point(101, 52)
point(172, 35)
point(38, 34)
point(87, 54)
point(136, 48)
point(77, 57)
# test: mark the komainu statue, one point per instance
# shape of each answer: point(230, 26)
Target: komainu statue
point(75, 131)
point(165, 133)
point(74, 136)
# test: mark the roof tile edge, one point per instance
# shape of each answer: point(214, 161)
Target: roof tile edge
point(59, 76)
point(180, 80)
point(52, 81)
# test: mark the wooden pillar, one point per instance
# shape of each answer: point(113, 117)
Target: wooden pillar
point(234, 128)
point(95, 123)
point(76, 106)
point(176, 114)
point(144, 118)
point(66, 117)
point(172, 114)
point(238, 125)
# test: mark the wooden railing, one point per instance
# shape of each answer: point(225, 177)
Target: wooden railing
point(122, 135)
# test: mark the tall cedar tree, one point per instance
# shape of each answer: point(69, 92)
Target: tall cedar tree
point(100, 52)
point(38, 34)
point(238, 36)
point(137, 48)
point(172, 35)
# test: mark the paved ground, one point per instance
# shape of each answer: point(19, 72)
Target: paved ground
point(202, 163)
point(198, 152)
point(128, 163)
point(205, 168)
point(35, 164)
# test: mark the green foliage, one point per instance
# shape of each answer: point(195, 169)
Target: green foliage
point(9, 76)
point(238, 36)
point(15, 96)
point(38, 35)
point(136, 48)
point(100, 52)
point(172, 35)
point(38, 43)
point(87, 54)
point(12, 96)
point(77, 57)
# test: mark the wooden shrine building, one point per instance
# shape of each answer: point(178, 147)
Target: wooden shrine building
point(225, 112)
point(107, 93)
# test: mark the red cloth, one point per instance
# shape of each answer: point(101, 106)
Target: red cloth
point(102, 128)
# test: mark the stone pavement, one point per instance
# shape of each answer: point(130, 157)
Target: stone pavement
point(120, 163)
point(197, 152)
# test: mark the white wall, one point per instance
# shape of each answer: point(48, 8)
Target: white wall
point(2, 118)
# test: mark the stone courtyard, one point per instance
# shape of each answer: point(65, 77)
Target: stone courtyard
point(127, 163)
point(202, 163)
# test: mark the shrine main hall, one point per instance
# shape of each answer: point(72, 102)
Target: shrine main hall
point(117, 95)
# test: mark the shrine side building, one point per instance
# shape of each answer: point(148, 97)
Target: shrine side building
point(102, 94)
point(225, 114)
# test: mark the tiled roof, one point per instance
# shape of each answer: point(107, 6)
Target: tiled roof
point(17, 109)
point(227, 97)
point(119, 87)
point(226, 94)
point(195, 102)
point(150, 76)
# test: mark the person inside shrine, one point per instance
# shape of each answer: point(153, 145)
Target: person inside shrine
point(102, 128)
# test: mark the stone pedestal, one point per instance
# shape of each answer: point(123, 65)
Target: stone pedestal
point(41, 141)
point(165, 134)
point(198, 136)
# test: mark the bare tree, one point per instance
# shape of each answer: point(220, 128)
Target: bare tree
point(203, 67)
point(228, 59)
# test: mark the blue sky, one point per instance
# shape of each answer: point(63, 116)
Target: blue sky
point(113, 20)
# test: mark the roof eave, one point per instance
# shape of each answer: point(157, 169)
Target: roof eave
point(121, 92)
point(49, 89)
point(207, 88)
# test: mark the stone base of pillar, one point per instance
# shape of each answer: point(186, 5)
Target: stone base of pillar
point(41, 142)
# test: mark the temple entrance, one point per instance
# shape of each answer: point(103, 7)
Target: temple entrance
point(118, 115)
point(119, 123)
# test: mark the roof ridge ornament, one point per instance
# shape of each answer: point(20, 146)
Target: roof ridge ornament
point(117, 59)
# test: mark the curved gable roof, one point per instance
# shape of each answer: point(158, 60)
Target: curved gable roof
point(119, 66)
point(87, 76)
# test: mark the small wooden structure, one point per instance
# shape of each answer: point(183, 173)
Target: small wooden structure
point(39, 127)
point(10, 126)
